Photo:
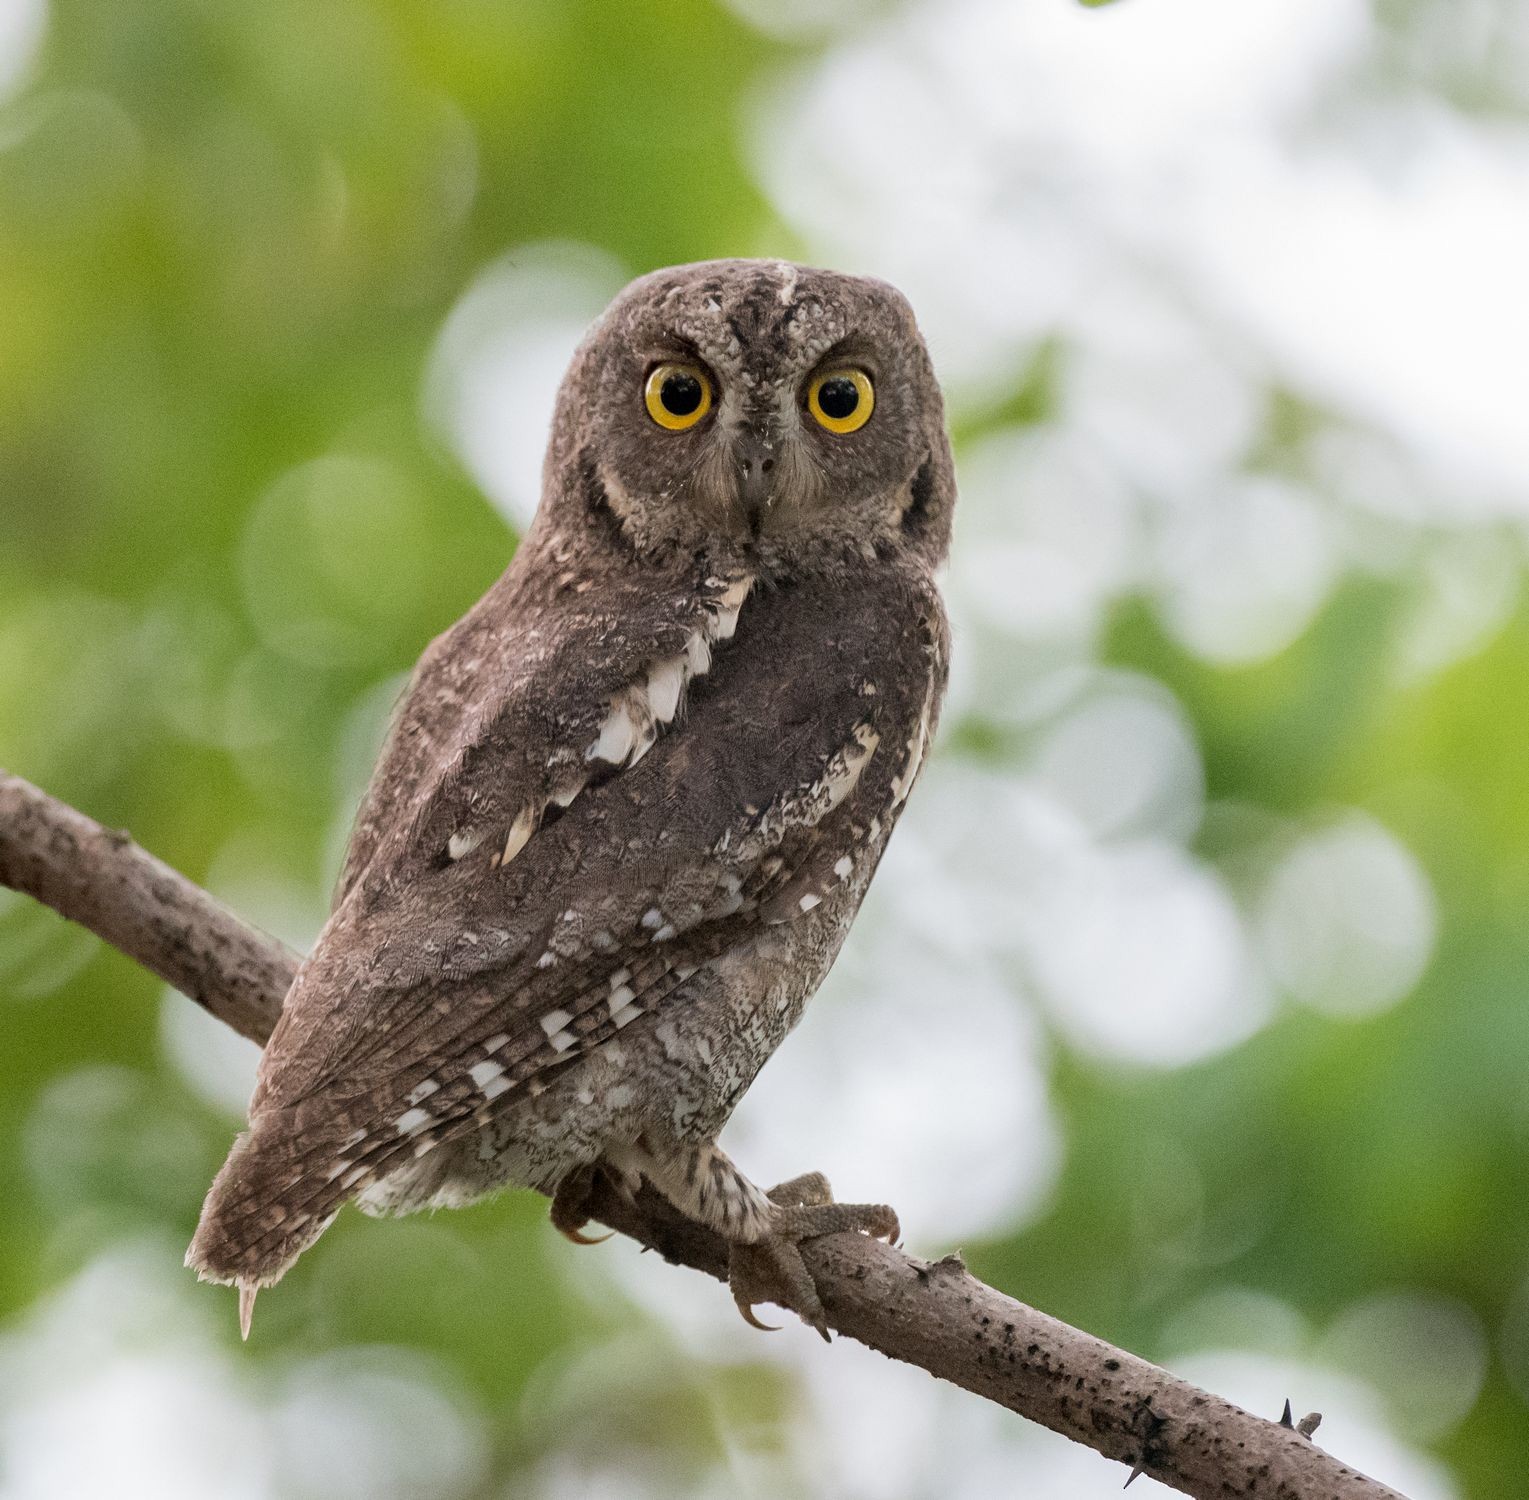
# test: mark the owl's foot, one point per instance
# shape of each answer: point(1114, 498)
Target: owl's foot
point(764, 1230)
point(571, 1202)
point(771, 1269)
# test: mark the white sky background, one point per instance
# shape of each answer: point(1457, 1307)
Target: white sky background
point(1200, 202)
point(22, 23)
point(1020, 167)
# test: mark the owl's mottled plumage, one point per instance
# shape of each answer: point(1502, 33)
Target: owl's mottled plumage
point(633, 798)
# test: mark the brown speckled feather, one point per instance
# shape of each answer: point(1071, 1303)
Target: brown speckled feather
point(627, 812)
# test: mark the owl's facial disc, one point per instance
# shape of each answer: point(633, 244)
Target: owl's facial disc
point(784, 412)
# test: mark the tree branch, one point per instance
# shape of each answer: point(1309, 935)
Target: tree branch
point(932, 1315)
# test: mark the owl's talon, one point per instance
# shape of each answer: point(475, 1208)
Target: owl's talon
point(772, 1269)
point(747, 1314)
point(570, 1207)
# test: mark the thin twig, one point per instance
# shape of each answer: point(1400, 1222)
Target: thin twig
point(936, 1315)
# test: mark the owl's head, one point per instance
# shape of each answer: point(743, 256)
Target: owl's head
point(782, 413)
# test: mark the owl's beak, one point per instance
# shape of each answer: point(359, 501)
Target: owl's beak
point(755, 460)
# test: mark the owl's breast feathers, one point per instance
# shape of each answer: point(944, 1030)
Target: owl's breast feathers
point(588, 795)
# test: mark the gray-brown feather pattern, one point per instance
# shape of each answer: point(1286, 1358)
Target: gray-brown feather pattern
point(426, 962)
point(611, 845)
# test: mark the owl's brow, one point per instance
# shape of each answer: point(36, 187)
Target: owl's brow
point(853, 346)
point(669, 342)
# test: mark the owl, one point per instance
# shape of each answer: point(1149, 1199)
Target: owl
point(633, 799)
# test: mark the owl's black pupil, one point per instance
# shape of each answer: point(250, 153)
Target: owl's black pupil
point(838, 397)
point(681, 394)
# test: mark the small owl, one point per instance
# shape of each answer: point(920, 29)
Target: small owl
point(634, 798)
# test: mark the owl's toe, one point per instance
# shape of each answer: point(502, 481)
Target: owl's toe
point(772, 1269)
point(809, 1221)
point(806, 1191)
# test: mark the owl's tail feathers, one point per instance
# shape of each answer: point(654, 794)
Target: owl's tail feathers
point(266, 1206)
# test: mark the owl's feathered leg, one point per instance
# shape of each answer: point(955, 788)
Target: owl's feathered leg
point(764, 1230)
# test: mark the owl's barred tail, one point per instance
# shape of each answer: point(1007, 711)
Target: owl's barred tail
point(263, 1210)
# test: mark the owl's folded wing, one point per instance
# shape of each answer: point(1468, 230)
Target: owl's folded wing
point(452, 976)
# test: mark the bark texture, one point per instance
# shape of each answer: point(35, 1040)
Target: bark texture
point(934, 1315)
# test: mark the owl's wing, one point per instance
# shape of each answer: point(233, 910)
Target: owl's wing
point(505, 709)
point(484, 943)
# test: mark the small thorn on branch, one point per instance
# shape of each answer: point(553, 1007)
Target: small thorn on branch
point(947, 1265)
point(1306, 1426)
point(1148, 1425)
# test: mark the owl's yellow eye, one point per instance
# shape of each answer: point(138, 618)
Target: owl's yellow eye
point(841, 400)
point(678, 395)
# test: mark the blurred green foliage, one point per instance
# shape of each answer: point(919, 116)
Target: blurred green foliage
point(228, 237)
